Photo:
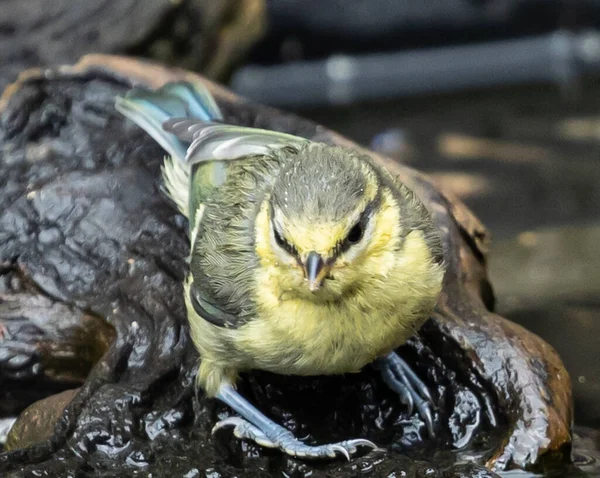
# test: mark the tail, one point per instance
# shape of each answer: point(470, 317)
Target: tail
point(151, 109)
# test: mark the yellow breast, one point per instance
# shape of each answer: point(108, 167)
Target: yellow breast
point(306, 339)
point(296, 335)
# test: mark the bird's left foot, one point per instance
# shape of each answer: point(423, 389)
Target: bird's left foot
point(398, 375)
point(275, 436)
point(263, 431)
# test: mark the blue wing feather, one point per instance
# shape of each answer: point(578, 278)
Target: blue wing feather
point(200, 103)
point(151, 109)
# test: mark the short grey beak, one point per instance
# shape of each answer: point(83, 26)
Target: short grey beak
point(315, 270)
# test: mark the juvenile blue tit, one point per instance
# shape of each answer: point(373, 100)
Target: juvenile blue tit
point(306, 259)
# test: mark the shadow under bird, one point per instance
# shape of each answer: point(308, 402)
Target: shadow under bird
point(306, 259)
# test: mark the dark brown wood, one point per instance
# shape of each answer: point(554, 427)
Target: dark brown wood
point(203, 35)
point(65, 146)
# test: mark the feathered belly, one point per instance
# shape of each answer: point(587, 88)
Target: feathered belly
point(303, 338)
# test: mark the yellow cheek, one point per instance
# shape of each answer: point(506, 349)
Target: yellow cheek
point(263, 247)
point(264, 250)
point(279, 280)
point(387, 225)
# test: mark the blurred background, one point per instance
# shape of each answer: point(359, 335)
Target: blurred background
point(498, 100)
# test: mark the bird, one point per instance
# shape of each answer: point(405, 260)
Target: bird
point(305, 258)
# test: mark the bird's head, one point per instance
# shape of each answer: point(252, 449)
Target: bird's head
point(330, 224)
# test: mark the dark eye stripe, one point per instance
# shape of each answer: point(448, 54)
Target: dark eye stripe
point(282, 242)
point(279, 237)
point(364, 219)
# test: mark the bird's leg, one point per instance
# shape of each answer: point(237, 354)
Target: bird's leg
point(257, 427)
point(397, 374)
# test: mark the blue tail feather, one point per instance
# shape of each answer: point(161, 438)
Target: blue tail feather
point(200, 102)
point(150, 109)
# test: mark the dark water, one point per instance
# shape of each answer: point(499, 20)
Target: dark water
point(527, 162)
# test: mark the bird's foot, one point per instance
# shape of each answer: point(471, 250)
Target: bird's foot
point(275, 436)
point(398, 375)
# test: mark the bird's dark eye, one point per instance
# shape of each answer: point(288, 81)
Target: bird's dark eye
point(355, 234)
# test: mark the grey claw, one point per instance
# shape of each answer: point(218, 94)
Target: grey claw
point(425, 412)
point(245, 430)
point(227, 422)
point(409, 387)
point(394, 378)
point(424, 391)
point(342, 450)
point(410, 404)
point(414, 380)
point(362, 442)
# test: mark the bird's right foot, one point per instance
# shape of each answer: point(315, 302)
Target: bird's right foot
point(275, 436)
point(412, 391)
